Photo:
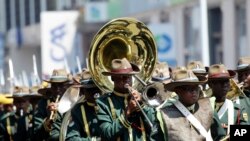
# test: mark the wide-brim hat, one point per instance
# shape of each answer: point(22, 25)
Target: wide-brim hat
point(5, 100)
point(220, 72)
point(161, 73)
point(21, 93)
point(185, 77)
point(122, 67)
point(243, 64)
point(84, 79)
point(197, 67)
point(43, 91)
point(59, 76)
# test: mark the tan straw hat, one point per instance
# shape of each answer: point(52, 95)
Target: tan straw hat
point(122, 67)
point(161, 73)
point(243, 64)
point(185, 77)
point(59, 76)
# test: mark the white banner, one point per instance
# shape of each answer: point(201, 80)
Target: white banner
point(165, 40)
point(58, 33)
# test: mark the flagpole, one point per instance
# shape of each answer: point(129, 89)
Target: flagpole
point(204, 33)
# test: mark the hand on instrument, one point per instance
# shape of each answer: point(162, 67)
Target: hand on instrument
point(52, 106)
point(132, 105)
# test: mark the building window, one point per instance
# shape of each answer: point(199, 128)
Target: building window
point(241, 38)
point(192, 34)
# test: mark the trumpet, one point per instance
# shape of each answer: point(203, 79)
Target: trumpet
point(53, 113)
point(153, 94)
point(130, 89)
point(236, 90)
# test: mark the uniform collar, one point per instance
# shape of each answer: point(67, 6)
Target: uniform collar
point(191, 108)
point(90, 104)
point(121, 94)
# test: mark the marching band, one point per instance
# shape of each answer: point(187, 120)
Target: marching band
point(126, 94)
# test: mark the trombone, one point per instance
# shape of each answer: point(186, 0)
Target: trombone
point(130, 89)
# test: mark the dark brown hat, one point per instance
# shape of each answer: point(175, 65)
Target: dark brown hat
point(219, 71)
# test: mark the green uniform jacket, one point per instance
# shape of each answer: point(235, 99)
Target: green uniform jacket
point(25, 133)
point(40, 133)
point(245, 103)
point(77, 128)
point(55, 129)
point(216, 129)
point(6, 135)
point(238, 117)
point(114, 126)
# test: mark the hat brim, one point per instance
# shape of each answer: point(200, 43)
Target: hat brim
point(115, 73)
point(135, 69)
point(23, 96)
point(56, 81)
point(231, 75)
point(172, 85)
point(43, 91)
point(243, 69)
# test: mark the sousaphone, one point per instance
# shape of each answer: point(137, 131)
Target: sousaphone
point(119, 38)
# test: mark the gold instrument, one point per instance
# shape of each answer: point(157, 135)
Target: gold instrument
point(53, 113)
point(69, 98)
point(138, 105)
point(236, 90)
point(67, 119)
point(123, 37)
point(153, 94)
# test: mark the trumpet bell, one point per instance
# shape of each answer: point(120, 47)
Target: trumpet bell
point(68, 99)
point(122, 38)
point(154, 94)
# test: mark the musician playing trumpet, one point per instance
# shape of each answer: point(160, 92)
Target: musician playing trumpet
point(243, 90)
point(45, 113)
point(118, 114)
point(219, 81)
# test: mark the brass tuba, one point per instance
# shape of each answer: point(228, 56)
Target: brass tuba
point(123, 37)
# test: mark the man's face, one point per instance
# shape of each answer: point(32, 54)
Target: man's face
point(247, 82)
point(188, 94)
point(120, 81)
point(220, 87)
point(90, 93)
point(57, 88)
point(242, 75)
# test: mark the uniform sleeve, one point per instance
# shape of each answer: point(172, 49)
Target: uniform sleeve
point(110, 128)
point(216, 129)
point(240, 117)
point(155, 133)
point(55, 129)
point(73, 133)
point(40, 132)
